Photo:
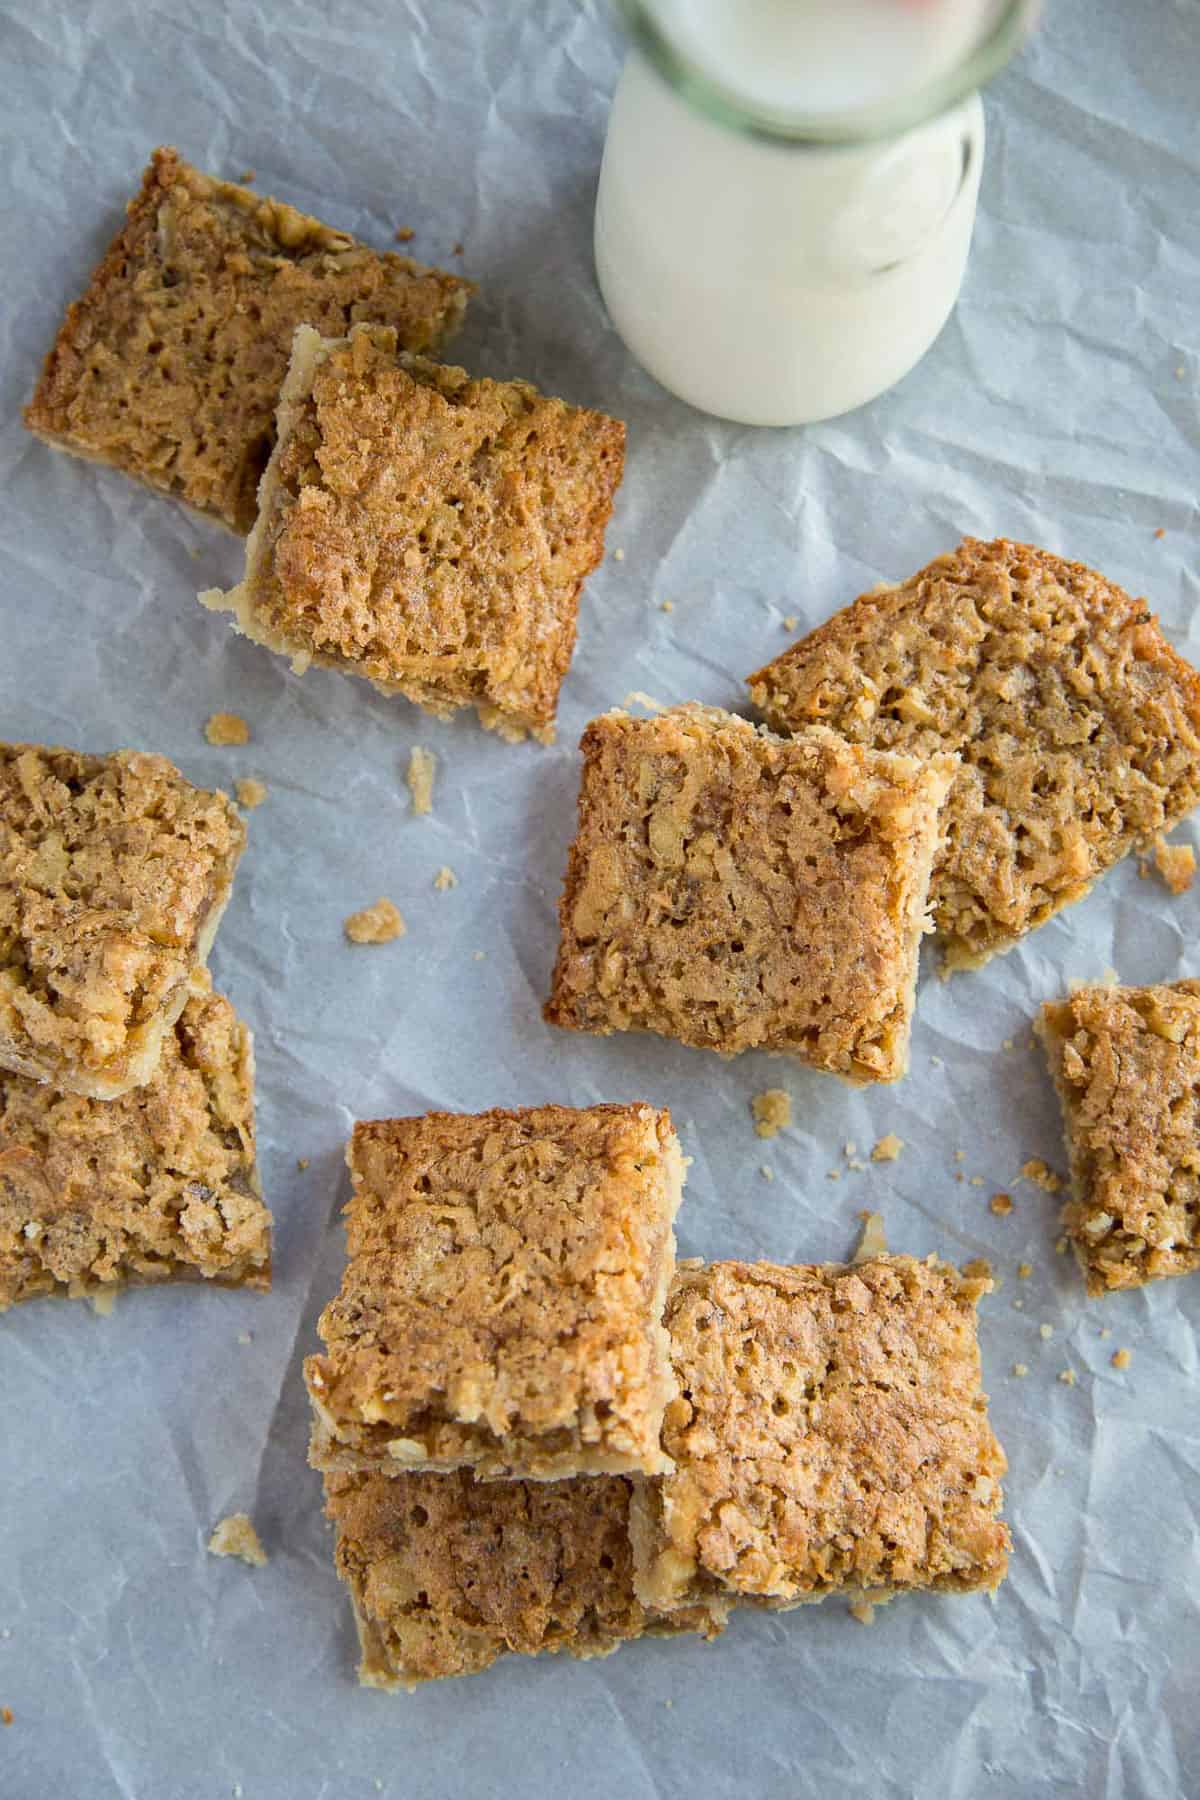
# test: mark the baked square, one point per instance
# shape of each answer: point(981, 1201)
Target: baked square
point(427, 530)
point(446, 1573)
point(114, 873)
point(830, 1434)
point(1077, 724)
point(1126, 1064)
point(737, 890)
point(170, 365)
point(160, 1185)
point(502, 1300)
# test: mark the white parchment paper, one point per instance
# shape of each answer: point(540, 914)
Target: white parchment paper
point(1059, 406)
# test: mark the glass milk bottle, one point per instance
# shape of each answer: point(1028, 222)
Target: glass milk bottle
point(788, 192)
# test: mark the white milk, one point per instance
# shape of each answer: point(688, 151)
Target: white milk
point(780, 282)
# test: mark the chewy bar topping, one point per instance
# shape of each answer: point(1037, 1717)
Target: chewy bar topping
point(446, 1573)
point(1126, 1064)
point(170, 365)
point(830, 1434)
point(1077, 724)
point(160, 1185)
point(736, 890)
point(501, 1304)
point(114, 872)
point(426, 529)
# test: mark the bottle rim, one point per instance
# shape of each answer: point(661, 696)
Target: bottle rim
point(859, 125)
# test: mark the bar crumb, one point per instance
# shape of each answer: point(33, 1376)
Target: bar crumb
point(445, 879)
point(1041, 1175)
point(1176, 864)
point(766, 1171)
point(667, 606)
point(873, 1241)
point(236, 1536)
point(224, 728)
point(1046, 1332)
point(618, 555)
point(1001, 1205)
point(422, 766)
point(887, 1149)
point(1024, 1271)
point(250, 793)
point(1121, 1359)
point(378, 924)
point(1068, 1377)
point(790, 621)
point(6, 1715)
point(103, 1301)
point(405, 234)
point(863, 1611)
point(302, 1163)
point(1020, 1370)
point(772, 1111)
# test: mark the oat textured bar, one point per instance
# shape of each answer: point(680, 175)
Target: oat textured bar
point(446, 1573)
point(1077, 724)
point(426, 529)
point(502, 1299)
point(114, 873)
point(160, 1185)
point(170, 365)
point(1126, 1064)
point(736, 890)
point(831, 1434)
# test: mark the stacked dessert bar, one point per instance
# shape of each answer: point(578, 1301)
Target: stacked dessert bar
point(538, 1433)
point(127, 1150)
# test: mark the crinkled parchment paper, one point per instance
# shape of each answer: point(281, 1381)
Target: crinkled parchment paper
point(1059, 406)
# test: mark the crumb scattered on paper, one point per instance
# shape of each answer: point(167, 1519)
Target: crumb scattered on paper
point(236, 1536)
point(6, 1715)
point(247, 176)
point(227, 728)
point(1020, 1369)
point(245, 1337)
point(772, 1111)
point(863, 1611)
point(1008, 1044)
point(103, 1301)
point(302, 1163)
point(1161, 532)
point(1001, 1205)
point(250, 793)
point(888, 1148)
point(457, 250)
point(766, 1171)
point(478, 955)
point(790, 621)
point(1024, 1271)
point(1176, 863)
point(618, 555)
point(1041, 1175)
point(1068, 1377)
point(378, 924)
point(833, 1174)
point(1121, 1359)
point(667, 606)
point(1106, 1331)
point(873, 1241)
point(445, 879)
point(1046, 1331)
point(405, 234)
point(637, 698)
point(977, 1181)
point(422, 766)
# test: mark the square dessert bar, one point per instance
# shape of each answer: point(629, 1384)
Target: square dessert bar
point(1077, 724)
point(427, 530)
point(160, 1185)
point(501, 1305)
point(1126, 1063)
point(831, 1434)
point(446, 1573)
point(170, 365)
point(736, 891)
point(114, 873)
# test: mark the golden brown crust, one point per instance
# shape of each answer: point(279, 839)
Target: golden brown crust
point(160, 1185)
point(114, 872)
point(427, 530)
point(1078, 725)
point(502, 1298)
point(446, 1574)
point(1126, 1064)
point(736, 890)
point(170, 365)
point(831, 1433)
